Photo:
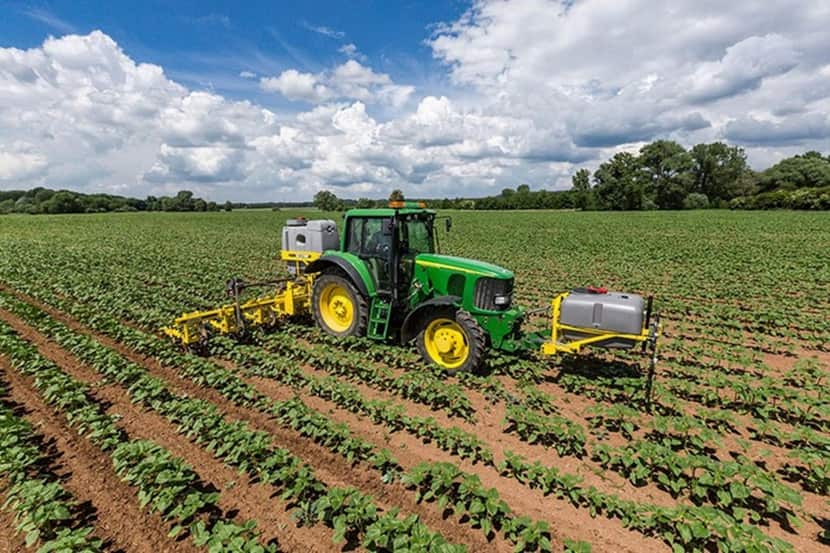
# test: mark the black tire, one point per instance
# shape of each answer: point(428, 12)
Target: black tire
point(475, 337)
point(361, 306)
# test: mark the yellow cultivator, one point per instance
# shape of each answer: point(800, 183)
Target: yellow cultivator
point(292, 297)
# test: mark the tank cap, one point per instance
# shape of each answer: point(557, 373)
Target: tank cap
point(597, 290)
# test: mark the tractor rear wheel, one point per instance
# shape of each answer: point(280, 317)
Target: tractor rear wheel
point(339, 308)
point(453, 340)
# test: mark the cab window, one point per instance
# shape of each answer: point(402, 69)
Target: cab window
point(417, 237)
point(370, 236)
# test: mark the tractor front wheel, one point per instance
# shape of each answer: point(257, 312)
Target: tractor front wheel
point(339, 308)
point(453, 340)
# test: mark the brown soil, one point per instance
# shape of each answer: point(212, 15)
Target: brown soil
point(10, 540)
point(251, 501)
point(489, 428)
point(89, 476)
point(564, 519)
point(605, 535)
point(238, 494)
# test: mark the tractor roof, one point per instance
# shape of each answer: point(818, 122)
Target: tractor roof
point(387, 212)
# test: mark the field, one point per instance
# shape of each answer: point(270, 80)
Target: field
point(113, 439)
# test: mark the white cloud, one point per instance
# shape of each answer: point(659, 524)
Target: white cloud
point(297, 86)
point(743, 68)
point(618, 73)
point(247, 74)
point(21, 165)
point(322, 30)
point(535, 90)
point(348, 81)
point(351, 51)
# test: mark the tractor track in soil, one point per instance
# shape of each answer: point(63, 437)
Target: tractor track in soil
point(89, 475)
point(331, 468)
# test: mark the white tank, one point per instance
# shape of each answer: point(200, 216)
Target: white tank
point(317, 235)
point(615, 312)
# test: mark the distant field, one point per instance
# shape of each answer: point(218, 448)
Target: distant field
point(327, 446)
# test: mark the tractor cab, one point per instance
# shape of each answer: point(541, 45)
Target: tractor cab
point(388, 241)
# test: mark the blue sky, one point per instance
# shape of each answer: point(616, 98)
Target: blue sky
point(209, 43)
point(276, 101)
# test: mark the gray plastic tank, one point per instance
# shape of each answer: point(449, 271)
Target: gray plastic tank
point(612, 311)
point(317, 235)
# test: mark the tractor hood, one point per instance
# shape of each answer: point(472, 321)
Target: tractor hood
point(463, 265)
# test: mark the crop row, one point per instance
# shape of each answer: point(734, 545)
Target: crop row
point(670, 529)
point(421, 386)
point(327, 388)
point(690, 434)
point(43, 509)
point(164, 483)
point(672, 525)
point(240, 447)
point(202, 421)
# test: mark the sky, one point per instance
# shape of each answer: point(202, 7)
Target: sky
point(274, 101)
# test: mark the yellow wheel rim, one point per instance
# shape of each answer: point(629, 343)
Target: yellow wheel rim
point(446, 343)
point(336, 307)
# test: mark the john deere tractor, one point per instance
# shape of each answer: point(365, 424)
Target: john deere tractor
point(384, 279)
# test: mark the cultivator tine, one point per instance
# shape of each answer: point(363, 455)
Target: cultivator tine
point(654, 333)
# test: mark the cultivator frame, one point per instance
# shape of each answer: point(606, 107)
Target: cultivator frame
point(292, 297)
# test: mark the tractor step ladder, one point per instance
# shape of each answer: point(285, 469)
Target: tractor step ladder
point(379, 315)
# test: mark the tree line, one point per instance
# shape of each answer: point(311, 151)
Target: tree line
point(43, 200)
point(664, 175)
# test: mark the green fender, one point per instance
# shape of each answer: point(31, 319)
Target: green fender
point(410, 328)
point(350, 264)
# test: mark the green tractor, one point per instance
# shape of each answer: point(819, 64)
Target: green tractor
point(387, 280)
point(384, 279)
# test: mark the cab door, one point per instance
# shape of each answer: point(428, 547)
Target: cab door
point(372, 239)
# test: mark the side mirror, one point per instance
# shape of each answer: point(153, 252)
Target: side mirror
point(448, 223)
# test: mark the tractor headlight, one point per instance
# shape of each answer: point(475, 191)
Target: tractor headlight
point(501, 301)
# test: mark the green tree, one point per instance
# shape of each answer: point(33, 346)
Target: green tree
point(326, 201)
point(227, 206)
point(665, 167)
point(62, 202)
point(581, 189)
point(618, 185)
point(183, 201)
point(695, 200)
point(396, 196)
point(809, 170)
point(720, 171)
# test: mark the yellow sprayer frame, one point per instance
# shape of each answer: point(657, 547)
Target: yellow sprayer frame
point(555, 346)
point(293, 299)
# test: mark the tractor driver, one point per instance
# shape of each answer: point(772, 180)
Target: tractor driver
point(380, 242)
point(379, 247)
